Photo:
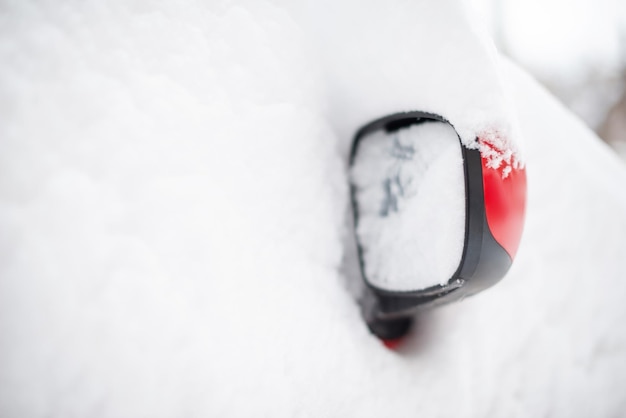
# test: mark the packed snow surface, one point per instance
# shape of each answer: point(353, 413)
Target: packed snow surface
point(381, 58)
point(410, 192)
point(173, 192)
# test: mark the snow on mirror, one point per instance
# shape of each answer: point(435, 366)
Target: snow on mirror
point(409, 193)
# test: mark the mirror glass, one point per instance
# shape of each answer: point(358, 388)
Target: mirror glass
point(409, 191)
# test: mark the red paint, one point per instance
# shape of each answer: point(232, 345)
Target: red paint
point(392, 344)
point(505, 204)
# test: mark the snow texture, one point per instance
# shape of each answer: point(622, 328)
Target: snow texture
point(173, 191)
point(410, 189)
point(433, 58)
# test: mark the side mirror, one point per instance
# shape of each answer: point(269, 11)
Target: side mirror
point(434, 222)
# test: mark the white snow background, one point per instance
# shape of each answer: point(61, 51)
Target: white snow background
point(173, 230)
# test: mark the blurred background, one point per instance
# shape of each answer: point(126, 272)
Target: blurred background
point(576, 48)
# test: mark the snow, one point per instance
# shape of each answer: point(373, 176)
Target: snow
point(579, 54)
point(173, 238)
point(588, 35)
point(410, 189)
point(457, 60)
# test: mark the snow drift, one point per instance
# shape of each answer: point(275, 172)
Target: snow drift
point(173, 192)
